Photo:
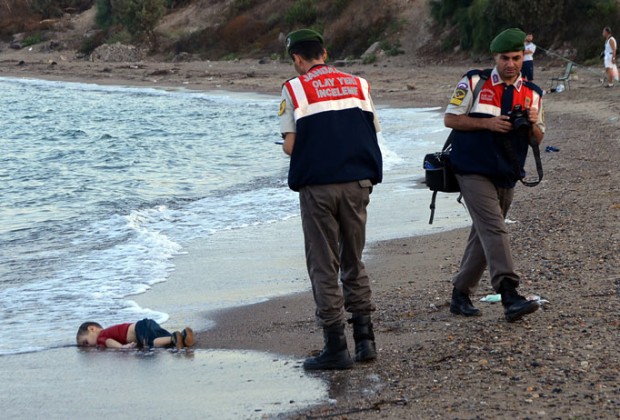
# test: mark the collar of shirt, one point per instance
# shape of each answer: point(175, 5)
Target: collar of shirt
point(497, 80)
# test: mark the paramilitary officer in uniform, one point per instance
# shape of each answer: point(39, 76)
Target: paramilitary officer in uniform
point(488, 156)
point(329, 125)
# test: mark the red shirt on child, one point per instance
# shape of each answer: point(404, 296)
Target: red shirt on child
point(115, 332)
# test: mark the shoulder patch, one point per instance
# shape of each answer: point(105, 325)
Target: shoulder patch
point(459, 94)
point(282, 107)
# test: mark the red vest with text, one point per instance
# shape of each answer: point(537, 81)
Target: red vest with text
point(336, 140)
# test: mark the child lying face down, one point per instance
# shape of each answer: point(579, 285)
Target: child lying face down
point(142, 334)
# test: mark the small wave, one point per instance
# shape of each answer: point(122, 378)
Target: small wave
point(102, 198)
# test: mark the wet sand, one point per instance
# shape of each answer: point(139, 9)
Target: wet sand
point(69, 383)
point(560, 362)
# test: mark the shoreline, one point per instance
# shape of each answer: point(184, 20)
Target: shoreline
point(397, 209)
point(560, 362)
point(394, 82)
point(295, 311)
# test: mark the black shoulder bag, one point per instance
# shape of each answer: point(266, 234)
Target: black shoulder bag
point(439, 175)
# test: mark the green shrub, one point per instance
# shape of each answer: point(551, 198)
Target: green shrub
point(443, 11)
point(273, 20)
point(369, 59)
point(392, 50)
point(137, 16)
point(302, 11)
point(122, 36)
point(240, 6)
point(172, 4)
point(32, 39)
point(474, 23)
point(55, 8)
point(104, 16)
point(338, 6)
point(89, 43)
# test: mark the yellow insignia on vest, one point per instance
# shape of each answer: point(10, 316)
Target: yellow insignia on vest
point(458, 96)
point(282, 107)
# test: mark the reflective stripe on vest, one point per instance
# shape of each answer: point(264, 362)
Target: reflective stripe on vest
point(489, 100)
point(327, 89)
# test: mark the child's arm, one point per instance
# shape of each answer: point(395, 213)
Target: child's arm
point(113, 344)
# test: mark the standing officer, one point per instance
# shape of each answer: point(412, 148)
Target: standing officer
point(488, 154)
point(329, 125)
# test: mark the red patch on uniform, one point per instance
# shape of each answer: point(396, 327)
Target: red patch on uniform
point(487, 96)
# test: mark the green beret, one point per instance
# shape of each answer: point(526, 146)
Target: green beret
point(510, 40)
point(302, 35)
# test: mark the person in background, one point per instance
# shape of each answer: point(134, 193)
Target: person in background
point(142, 334)
point(609, 56)
point(528, 57)
point(486, 170)
point(329, 125)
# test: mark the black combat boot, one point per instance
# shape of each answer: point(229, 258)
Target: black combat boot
point(515, 305)
point(461, 304)
point(365, 347)
point(335, 354)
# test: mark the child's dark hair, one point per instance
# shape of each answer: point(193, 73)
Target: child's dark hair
point(84, 329)
point(309, 50)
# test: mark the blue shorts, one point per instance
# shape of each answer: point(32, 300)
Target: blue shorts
point(147, 331)
point(528, 70)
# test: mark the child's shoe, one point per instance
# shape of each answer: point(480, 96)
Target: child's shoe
point(177, 340)
point(188, 337)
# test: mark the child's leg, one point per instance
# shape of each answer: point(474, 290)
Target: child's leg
point(162, 342)
point(151, 333)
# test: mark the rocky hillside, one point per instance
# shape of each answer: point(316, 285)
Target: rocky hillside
point(349, 26)
point(225, 29)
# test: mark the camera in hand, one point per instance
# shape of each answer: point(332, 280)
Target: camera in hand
point(518, 118)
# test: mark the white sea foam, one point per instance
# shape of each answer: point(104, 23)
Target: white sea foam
point(103, 186)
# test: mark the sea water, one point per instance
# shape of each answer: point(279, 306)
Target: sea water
point(103, 186)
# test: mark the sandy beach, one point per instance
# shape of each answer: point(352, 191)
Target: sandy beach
point(560, 362)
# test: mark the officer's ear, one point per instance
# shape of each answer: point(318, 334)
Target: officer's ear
point(297, 59)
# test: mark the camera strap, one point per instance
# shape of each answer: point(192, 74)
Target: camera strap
point(515, 161)
point(507, 98)
point(506, 105)
point(539, 168)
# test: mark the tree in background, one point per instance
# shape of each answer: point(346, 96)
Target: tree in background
point(472, 24)
point(55, 8)
point(17, 16)
point(138, 17)
point(172, 4)
point(104, 17)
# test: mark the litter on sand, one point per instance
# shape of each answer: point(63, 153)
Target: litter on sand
point(493, 298)
point(538, 299)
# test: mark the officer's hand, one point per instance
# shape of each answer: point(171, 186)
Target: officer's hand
point(533, 115)
point(499, 124)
